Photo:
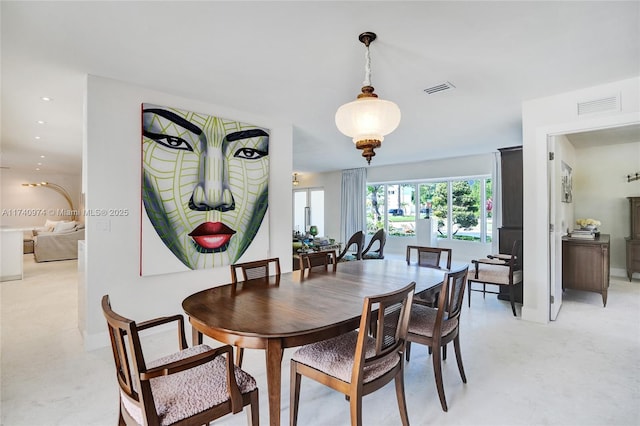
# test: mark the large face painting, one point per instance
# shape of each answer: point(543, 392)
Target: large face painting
point(204, 188)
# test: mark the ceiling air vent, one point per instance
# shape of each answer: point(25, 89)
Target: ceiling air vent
point(608, 104)
point(439, 88)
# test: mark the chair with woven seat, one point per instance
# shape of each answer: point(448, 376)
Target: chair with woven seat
point(317, 260)
point(253, 270)
point(191, 387)
point(356, 363)
point(379, 237)
point(356, 241)
point(500, 270)
point(436, 327)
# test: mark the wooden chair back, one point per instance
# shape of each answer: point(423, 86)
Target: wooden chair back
point(317, 260)
point(356, 240)
point(429, 257)
point(255, 269)
point(379, 237)
point(135, 377)
point(386, 317)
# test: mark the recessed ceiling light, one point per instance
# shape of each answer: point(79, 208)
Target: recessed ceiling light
point(37, 137)
point(38, 169)
point(39, 164)
point(41, 122)
point(42, 156)
point(46, 98)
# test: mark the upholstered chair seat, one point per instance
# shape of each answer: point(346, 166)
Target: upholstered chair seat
point(182, 395)
point(423, 321)
point(336, 357)
point(494, 271)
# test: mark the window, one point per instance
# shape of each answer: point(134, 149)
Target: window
point(462, 207)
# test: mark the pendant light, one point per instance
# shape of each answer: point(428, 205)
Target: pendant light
point(368, 119)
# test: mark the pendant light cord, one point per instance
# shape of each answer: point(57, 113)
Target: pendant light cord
point(367, 67)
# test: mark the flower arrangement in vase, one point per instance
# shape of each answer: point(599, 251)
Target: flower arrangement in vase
point(588, 224)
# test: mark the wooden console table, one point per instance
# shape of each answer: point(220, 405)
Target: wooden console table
point(585, 264)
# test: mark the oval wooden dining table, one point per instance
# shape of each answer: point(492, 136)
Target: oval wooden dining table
point(293, 310)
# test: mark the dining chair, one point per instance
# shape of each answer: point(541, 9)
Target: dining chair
point(436, 327)
point(357, 241)
point(500, 270)
point(428, 257)
point(356, 363)
point(190, 387)
point(381, 238)
point(253, 270)
point(317, 260)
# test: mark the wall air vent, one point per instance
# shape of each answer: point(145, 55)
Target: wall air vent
point(608, 104)
point(439, 88)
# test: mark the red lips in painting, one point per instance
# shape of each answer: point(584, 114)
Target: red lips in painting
point(212, 235)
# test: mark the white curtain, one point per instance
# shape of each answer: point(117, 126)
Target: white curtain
point(496, 179)
point(354, 190)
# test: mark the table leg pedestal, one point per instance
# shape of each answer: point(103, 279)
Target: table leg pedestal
point(274, 379)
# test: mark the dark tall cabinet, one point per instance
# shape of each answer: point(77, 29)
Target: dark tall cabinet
point(511, 187)
point(633, 240)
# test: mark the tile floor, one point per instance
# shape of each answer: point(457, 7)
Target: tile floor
point(583, 369)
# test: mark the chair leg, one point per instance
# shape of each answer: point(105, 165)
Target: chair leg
point(469, 291)
point(407, 351)
point(512, 299)
point(456, 346)
point(239, 356)
point(484, 291)
point(402, 402)
point(355, 407)
point(444, 352)
point(253, 414)
point(294, 394)
point(437, 371)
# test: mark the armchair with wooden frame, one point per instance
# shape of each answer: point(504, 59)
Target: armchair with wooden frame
point(191, 387)
point(379, 237)
point(357, 241)
point(500, 270)
point(254, 270)
point(356, 363)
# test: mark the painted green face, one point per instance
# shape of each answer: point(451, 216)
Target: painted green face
point(205, 183)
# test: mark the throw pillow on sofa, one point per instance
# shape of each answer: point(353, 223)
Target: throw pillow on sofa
point(64, 227)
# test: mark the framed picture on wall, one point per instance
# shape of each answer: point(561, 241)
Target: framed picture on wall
point(566, 183)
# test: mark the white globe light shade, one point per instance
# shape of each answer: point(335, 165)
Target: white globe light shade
point(368, 118)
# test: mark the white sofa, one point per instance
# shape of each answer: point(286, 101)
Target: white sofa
point(57, 244)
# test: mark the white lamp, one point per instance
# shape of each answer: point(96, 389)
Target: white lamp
point(368, 119)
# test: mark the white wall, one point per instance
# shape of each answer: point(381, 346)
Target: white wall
point(112, 166)
point(551, 116)
point(601, 189)
point(30, 207)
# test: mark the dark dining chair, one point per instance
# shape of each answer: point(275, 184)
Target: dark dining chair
point(253, 270)
point(317, 260)
point(356, 241)
point(356, 363)
point(436, 327)
point(380, 237)
point(499, 270)
point(190, 387)
point(428, 257)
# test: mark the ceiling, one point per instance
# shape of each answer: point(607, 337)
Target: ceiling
point(298, 61)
